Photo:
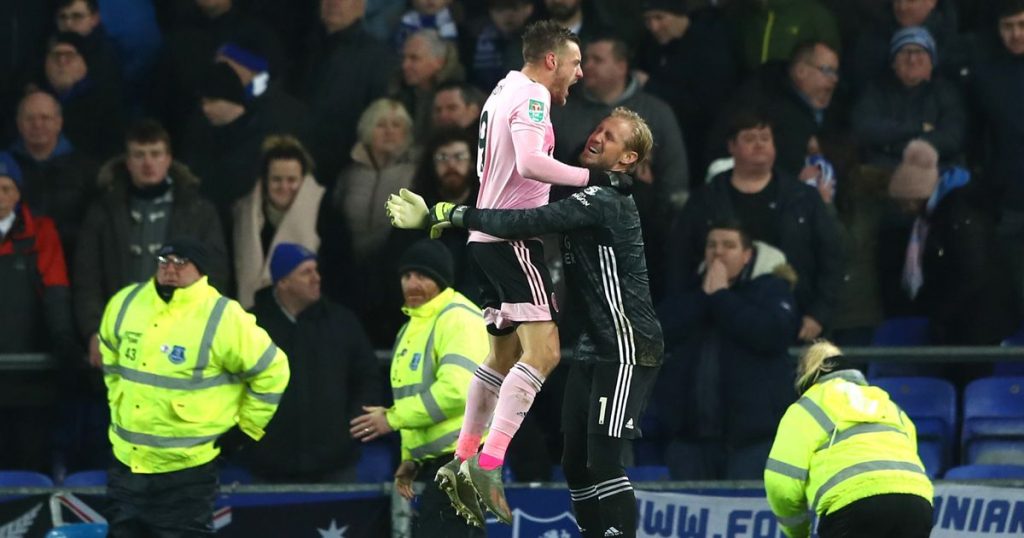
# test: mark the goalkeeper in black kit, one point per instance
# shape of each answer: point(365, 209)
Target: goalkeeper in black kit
point(620, 350)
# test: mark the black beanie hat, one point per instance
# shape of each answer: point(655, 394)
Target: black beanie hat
point(73, 39)
point(430, 257)
point(188, 248)
point(222, 82)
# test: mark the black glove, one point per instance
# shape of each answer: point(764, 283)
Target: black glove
point(620, 181)
point(232, 442)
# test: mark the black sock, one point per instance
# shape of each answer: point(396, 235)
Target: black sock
point(617, 508)
point(588, 511)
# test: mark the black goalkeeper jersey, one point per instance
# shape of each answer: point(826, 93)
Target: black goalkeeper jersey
point(605, 266)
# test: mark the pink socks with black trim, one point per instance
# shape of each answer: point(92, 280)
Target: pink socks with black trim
point(514, 400)
point(480, 402)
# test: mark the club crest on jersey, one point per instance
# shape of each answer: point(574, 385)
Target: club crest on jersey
point(536, 110)
point(175, 354)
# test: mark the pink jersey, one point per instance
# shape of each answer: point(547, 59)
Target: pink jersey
point(514, 163)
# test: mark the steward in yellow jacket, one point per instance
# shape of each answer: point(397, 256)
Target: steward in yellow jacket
point(435, 356)
point(182, 365)
point(847, 453)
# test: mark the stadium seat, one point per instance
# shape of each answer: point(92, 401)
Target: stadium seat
point(899, 332)
point(14, 479)
point(375, 464)
point(972, 472)
point(993, 430)
point(235, 474)
point(647, 473)
point(85, 479)
point(79, 530)
point(931, 404)
point(1010, 368)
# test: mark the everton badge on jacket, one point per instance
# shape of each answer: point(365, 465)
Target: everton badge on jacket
point(175, 354)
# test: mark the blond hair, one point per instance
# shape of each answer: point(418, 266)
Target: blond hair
point(812, 363)
point(377, 111)
point(640, 140)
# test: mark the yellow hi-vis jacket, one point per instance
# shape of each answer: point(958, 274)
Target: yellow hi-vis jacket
point(436, 353)
point(181, 373)
point(842, 441)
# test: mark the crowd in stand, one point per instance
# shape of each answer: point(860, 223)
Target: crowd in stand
point(872, 148)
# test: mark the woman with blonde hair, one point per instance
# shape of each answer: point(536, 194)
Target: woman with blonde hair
point(282, 208)
point(847, 453)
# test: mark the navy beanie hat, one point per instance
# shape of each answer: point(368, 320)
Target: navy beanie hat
point(191, 249)
point(432, 258)
point(9, 167)
point(286, 257)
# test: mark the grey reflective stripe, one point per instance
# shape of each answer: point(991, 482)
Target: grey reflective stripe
point(433, 409)
point(817, 413)
point(107, 344)
point(786, 469)
point(406, 391)
point(165, 382)
point(261, 365)
point(266, 397)
point(208, 333)
point(428, 350)
point(793, 521)
point(861, 468)
point(124, 309)
point(857, 430)
point(458, 360)
point(434, 447)
point(160, 441)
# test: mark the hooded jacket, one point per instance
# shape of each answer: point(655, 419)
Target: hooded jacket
point(728, 374)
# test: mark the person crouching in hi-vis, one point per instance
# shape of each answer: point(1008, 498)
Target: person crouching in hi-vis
point(435, 356)
point(847, 453)
point(188, 372)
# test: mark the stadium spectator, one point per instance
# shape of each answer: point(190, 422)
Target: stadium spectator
point(145, 198)
point(215, 377)
point(840, 428)
point(870, 56)
point(457, 104)
point(189, 49)
point(24, 28)
point(35, 316)
point(942, 259)
point(264, 94)
point(579, 19)
point(914, 102)
point(93, 115)
point(769, 29)
point(83, 18)
point(427, 14)
point(729, 333)
point(800, 94)
point(498, 46)
point(222, 142)
point(662, 182)
point(333, 372)
point(435, 355)
point(345, 71)
point(776, 209)
point(427, 62)
point(384, 161)
point(283, 207)
point(995, 98)
point(686, 58)
point(60, 180)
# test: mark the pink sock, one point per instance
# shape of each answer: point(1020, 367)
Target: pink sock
point(480, 402)
point(517, 393)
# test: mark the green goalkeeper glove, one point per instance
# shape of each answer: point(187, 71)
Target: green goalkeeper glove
point(407, 210)
point(445, 215)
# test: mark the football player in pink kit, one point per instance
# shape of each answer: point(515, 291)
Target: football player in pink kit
point(516, 172)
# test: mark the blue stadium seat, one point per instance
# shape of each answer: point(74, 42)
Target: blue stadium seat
point(14, 479)
point(647, 473)
point(993, 430)
point(79, 530)
point(931, 404)
point(904, 331)
point(85, 478)
point(376, 463)
point(972, 472)
point(899, 332)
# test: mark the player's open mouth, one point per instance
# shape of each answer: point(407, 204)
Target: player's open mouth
point(593, 150)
